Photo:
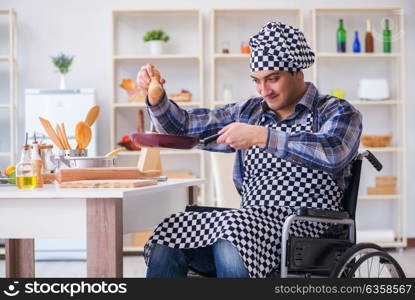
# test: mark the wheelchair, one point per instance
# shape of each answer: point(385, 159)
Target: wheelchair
point(335, 254)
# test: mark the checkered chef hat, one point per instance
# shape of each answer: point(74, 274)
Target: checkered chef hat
point(278, 46)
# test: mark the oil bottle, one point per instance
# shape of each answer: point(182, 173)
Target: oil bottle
point(25, 171)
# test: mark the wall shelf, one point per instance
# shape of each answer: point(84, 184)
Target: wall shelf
point(354, 66)
point(143, 105)
point(381, 149)
point(184, 52)
point(375, 102)
point(155, 57)
point(358, 55)
point(379, 197)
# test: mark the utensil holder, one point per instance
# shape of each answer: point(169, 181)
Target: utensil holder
point(62, 158)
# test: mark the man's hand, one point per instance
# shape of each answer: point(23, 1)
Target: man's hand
point(144, 79)
point(243, 136)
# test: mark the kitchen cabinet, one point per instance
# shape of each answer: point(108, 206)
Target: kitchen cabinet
point(8, 88)
point(377, 215)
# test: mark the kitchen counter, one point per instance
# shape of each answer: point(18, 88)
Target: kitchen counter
point(101, 215)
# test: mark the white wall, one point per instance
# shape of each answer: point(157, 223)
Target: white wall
point(82, 28)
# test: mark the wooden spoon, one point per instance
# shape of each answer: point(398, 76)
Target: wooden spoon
point(52, 134)
point(82, 135)
point(92, 115)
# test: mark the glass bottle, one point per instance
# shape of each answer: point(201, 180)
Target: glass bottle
point(225, 47)
point(38, 165)
point(369, 41)
point(25, 172)
point(356, 43)
point(387, 38)
point(341, 37)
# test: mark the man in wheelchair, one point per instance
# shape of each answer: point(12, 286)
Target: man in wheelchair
point(294, 150)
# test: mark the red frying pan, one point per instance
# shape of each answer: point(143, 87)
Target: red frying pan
point(170, 141)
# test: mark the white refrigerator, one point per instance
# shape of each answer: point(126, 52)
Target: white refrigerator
point(57, 106)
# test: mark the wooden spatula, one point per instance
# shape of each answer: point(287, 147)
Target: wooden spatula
point(115, 151)
point(52, 134)
point(82, 135)
point(65, 136)
point(60, 136)
point(92, 115)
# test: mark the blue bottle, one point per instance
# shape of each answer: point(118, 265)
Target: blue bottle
point(356, 43)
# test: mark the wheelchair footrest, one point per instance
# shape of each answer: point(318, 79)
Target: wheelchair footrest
point(314, 255)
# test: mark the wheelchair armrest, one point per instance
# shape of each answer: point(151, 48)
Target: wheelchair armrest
point(321, 213)
point(198, 208)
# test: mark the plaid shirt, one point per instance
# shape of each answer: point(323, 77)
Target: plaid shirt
point(331, 147)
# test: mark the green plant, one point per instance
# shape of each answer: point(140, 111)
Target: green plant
point(62, 62)
point(156, 35)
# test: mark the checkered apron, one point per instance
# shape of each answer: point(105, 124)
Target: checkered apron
point(272, 190)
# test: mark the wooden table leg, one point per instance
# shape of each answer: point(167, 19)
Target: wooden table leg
point(192, 195)
point(20, 258)
point(104, 238)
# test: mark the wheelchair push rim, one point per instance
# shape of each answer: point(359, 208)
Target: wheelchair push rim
point(369, 256)
point(376, 264)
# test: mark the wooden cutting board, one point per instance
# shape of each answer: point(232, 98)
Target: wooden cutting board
point(123, 183)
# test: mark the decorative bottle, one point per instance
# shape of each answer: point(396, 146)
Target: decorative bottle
point(369, 41)
point(356, 43)
point(387, 38)
point(341, 37)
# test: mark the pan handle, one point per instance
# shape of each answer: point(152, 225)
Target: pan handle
point(210, 139)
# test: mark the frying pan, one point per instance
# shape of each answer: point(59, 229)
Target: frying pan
point(170, 141)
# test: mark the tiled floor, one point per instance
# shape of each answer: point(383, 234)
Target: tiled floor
point(134, 266)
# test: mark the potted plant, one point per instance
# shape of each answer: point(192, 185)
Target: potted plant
point(155, 39)
point(63, 63)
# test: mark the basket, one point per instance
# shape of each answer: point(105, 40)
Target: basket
point(376, 140)
point(180, 97)
point(136, 98)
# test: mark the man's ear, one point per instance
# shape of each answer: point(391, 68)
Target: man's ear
point(299, 75)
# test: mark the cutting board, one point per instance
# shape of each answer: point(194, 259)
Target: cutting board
point(77, 174)
point(123, 183)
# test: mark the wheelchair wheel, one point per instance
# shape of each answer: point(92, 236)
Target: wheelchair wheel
point(350, 256)
point(378, 264)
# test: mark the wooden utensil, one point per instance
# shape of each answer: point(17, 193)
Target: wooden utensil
point(115, 151)
point(75, 174)
point(60, 136)
point(155, 90)
point(140, 121)
point(82, 135)
point(52, 134)
point(92, 115)
point(65, 136)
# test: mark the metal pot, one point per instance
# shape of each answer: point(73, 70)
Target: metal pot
point(92, 162)
point(79, 159)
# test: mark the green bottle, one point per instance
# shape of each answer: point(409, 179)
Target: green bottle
point(341, 37)
point(387, 38)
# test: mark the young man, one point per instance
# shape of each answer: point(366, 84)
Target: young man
point(294, 149)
